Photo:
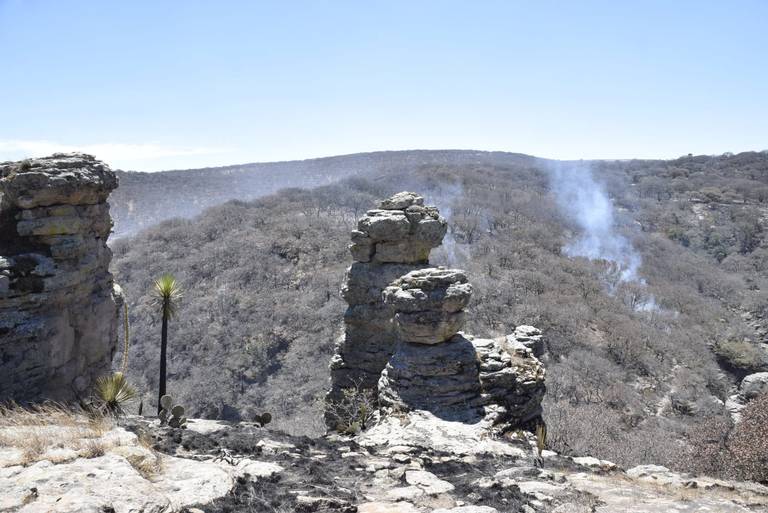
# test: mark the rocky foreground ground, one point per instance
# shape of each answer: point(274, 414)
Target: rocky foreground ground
point(408, 464)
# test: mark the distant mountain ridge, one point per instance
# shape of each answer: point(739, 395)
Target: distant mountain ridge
point(144, 199)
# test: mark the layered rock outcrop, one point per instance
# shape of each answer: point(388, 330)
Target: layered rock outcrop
point(512, 380)
point(58, 304)
point(402, 330)
point(434, 367)
point(389, 242)
point(455, 376)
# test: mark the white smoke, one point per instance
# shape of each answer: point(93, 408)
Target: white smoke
point(451, 253)
point(587, 204)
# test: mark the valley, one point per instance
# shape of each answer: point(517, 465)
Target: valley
point(261, 310)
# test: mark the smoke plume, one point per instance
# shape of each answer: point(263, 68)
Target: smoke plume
point(586, 203)
point(451, 252)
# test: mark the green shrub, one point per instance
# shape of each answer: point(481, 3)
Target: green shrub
point(114, 393)
point(742, 355)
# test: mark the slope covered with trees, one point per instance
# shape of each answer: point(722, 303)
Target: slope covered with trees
point(633, 366)
point(144, 199)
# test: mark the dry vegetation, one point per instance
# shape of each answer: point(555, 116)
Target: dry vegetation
point(59, 434)
point(51, 431)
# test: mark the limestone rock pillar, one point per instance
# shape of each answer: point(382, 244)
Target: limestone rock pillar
point(434, 367)
point(389, 242)
point(58, 305)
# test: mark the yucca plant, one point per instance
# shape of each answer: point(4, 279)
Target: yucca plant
point(114, 392)
point(166, 295)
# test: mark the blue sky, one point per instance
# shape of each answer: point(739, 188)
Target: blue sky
point(151, 85)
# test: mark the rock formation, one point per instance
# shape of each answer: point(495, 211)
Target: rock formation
point(390, 241)
point(58, 304)
point(750, 387)
point(455, 376)
point(434, 368)
point(512, 382)
point(402, 326)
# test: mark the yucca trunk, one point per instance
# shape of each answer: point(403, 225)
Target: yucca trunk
point(163, 362)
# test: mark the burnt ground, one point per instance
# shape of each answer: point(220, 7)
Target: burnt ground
point(316, 468)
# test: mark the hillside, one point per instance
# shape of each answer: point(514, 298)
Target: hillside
point(144, 199)
point(633, 364)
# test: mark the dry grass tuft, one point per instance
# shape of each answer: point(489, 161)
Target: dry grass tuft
point(91, 448)
point(51, 431)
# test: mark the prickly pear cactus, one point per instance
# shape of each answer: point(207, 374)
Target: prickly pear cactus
point(178, 420)
point(263, 419)
point(165, 412)
point(171, 416)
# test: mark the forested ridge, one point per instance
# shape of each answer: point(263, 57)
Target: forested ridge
point(626, 382)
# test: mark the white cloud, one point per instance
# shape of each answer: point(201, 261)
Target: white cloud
point(142, 157)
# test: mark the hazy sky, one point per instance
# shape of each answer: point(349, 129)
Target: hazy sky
point(165, 84)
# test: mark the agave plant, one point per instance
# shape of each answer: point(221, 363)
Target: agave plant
point(114, 392)
point(166, 294)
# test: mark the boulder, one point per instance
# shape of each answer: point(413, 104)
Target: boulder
point(432, 289)
point(401, 201)
point(750, 387)
point(530, 337)
point(753, 385)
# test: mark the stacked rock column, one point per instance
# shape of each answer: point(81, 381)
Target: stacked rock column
point(389, 242)
point(58, 304)
point(434, 368)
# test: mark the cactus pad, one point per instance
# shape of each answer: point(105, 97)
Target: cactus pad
point(166, 401)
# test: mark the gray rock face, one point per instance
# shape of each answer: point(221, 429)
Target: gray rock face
point(434, 368)
point(440, 378)
point(428, 304)
point(389, 242)
point(58, 303)
point(530, 337)
point(401, 230)
point(402, 330)
point(512, 381)
point(750, 387)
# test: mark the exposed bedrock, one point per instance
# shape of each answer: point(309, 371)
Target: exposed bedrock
point(389, 242)
point(58, 303)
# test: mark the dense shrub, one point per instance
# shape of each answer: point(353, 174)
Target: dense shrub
point(748, 442)
point(720, 447)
